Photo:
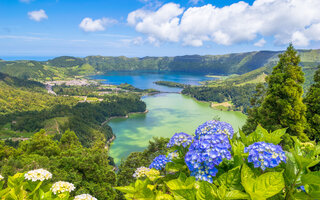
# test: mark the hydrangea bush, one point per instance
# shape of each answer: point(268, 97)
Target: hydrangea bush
point(36, 185)
point(218, 163)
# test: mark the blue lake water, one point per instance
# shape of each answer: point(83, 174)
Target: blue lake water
point(168, 113)
point(145, 80)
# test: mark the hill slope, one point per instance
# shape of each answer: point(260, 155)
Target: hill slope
point(18, 95)
point(237, 63)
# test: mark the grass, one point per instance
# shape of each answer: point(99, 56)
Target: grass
point(52, 126)
point(6, 132)
point(224, 106)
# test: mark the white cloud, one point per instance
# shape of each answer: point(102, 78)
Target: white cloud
point(260, 43)
point(195, 1)
point(162, 24)
point(37, 15)
point(296, 21)
point(90, 25)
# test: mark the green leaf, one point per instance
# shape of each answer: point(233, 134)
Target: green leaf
point(161, 196)
point(301, 196)
point(269, 184)
point(243, 137)
point(231, 179)
point(186, 194)
point(247, 179)
point(236, 194)
point(311, 178)
point(126, 189)
point(222, 191)
point(178, 184)
point(291, 172)
point(275, 136)
point(174, 167)
point(264, 186)
point(206, 191)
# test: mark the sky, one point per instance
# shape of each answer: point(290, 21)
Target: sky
point(138, 28)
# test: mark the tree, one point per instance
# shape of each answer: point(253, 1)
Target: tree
point(282, 106)
point(312, 101)
point(253, 112)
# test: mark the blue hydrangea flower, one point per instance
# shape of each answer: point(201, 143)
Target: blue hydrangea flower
point(204, 174)
point(159, 162)
point(173, 155)
point(206, 153)
point(180, 139)
point(265, 155)
point(214, 127)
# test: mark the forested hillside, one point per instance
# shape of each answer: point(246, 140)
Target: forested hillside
point(18, 95)
point(26, 107)
point(237, 63)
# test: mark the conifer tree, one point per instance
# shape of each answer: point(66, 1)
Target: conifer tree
point(312, 101)
point(283, 106)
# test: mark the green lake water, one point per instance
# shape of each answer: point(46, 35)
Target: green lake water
point(168, 114)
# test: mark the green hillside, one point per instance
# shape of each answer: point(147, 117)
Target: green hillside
point(18, 95)
point(26, 107)
point(237, 63)
point(310, 59)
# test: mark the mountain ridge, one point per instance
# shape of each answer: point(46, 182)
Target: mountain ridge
point(68, 66)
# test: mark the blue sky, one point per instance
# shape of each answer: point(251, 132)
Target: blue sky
point(155, 27)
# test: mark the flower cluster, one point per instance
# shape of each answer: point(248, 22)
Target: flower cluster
point(146, 172)
point(141, 172)
point(173, 155)
point(265, 155)
point(180, 139)
point(204, 174)
point(61, 187)
point(1, 177)
point(159, 162)
point(38, 175)
point(210, 147)
point(84, 197)
point(214, 127)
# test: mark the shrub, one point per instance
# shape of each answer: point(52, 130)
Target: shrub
point(218, 164)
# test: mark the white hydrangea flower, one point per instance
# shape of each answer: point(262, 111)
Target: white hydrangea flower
point(38, 175)
point(1, 177)
point(84, 197)
point(61, 187)
point(140, 172)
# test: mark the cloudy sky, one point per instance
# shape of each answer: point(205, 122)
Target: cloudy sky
point(155, 27)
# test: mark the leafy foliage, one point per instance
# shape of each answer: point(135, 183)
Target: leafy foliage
point(236, 178)
point(17, 95)
point(282, 106)
point(239, 95)
point(312, 101)
point(87, 168)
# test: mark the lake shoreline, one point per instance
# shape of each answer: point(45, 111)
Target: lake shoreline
point(126, 116)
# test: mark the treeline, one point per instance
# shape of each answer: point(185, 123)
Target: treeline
point(84, 118)
point(89, 169)
point(170, 84)
point(128, 87)
point(87, 90)
point(18, 95)
point(239, 95)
